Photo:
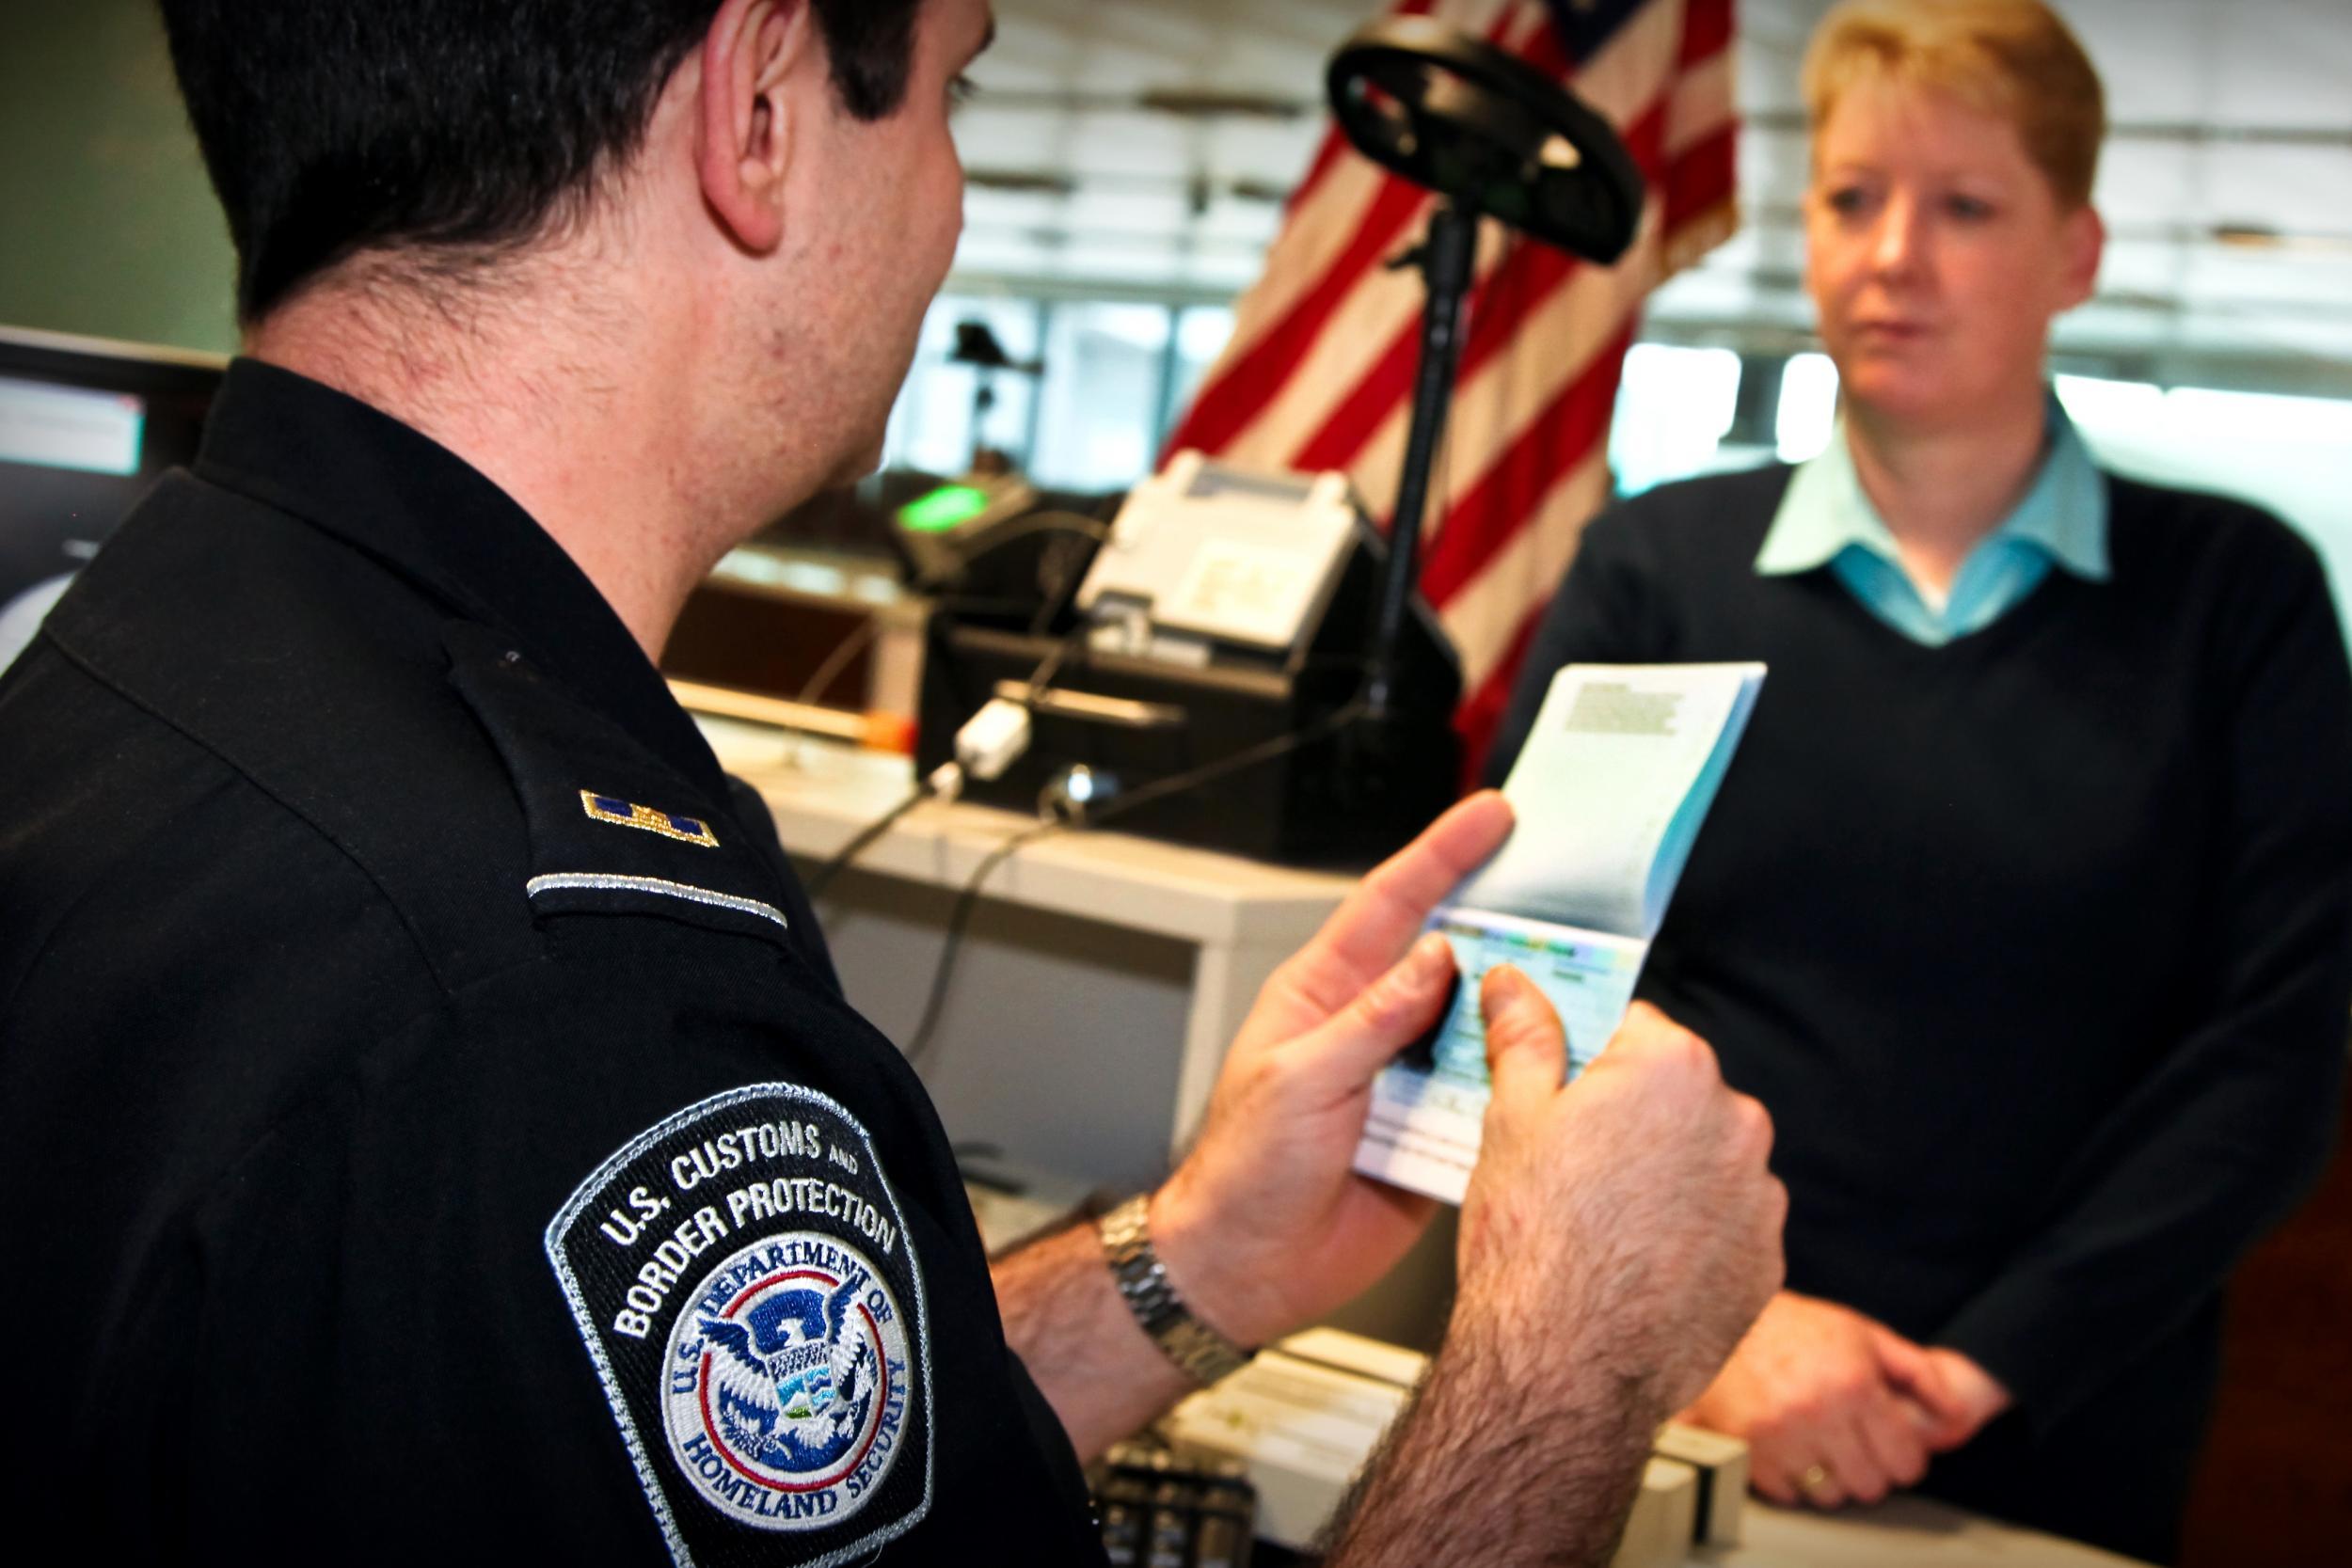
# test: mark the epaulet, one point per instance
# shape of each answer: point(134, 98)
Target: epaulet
point(613, 829)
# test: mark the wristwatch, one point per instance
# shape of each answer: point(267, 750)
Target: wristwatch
point(1199, 1351)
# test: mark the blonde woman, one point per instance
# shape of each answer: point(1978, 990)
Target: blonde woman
point(2027, 908)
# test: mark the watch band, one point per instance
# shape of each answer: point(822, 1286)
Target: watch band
point(1199, 1351)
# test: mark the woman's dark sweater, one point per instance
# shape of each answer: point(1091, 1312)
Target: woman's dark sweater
point(2038, 945)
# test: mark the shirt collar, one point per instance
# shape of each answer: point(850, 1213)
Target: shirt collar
point(1825, 509)
point(418, 508)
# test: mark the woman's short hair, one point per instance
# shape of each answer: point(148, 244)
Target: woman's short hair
point(2009, 58)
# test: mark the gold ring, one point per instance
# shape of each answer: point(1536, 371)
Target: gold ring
point(1815, 1479)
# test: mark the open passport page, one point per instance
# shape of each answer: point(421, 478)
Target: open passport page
point(1610, 792)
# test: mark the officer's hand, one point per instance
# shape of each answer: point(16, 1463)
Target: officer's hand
point(1265, 1226)
point(1626, 1221)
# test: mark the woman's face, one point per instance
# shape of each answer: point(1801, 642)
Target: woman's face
point(1936, 256)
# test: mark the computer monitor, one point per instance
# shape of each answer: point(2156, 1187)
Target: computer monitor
point(86, 427)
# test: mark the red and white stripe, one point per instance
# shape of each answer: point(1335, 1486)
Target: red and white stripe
point(1319, 371)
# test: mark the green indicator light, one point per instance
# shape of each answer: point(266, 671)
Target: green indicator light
point(950, 506)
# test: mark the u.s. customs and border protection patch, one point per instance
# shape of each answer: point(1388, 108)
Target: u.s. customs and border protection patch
point(743, 1278)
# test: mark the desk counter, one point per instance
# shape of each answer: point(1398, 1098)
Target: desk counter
point(1901, 1532)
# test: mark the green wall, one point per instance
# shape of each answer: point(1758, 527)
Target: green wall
point(107, 225)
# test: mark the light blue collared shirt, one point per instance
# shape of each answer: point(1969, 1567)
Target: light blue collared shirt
point(1825, 519)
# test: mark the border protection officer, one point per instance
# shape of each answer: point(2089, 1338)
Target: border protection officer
point(443, 1129)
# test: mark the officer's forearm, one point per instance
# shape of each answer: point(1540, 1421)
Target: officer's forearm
point(1545, 1446)
point(1066, 1319)
point(1518, 1454)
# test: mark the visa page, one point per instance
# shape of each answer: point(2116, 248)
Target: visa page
point(1610, 792)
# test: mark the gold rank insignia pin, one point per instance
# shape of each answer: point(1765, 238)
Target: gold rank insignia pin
point(627, 813)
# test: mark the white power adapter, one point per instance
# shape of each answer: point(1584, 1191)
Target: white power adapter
point(994, 738)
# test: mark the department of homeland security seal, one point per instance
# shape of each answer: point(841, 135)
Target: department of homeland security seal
point(788, 1382)
point(743, 1280)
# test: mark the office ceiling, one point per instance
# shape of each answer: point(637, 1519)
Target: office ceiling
point(1147, 145)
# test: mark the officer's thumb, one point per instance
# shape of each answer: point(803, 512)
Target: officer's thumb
point(1527, 1052)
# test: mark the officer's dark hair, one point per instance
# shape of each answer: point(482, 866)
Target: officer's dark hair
point(447, 128)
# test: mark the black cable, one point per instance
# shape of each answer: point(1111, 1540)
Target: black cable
point(824, 877)
point(865, 836)
point(1046, 522)
point(866, 630)
point(967, 899)
point(1265, 751)
point(1057, 598)
point(1050, 666)
point(851, 645)
point(959, 919)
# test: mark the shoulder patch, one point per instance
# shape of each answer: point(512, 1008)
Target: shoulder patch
point(627, 813)
point(743, 1280)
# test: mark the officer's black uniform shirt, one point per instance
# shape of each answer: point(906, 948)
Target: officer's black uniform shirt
point(430, 1118)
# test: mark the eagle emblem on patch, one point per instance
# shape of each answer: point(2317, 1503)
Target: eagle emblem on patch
point(797, 1382)
point(744, 1280)
point(627, 813)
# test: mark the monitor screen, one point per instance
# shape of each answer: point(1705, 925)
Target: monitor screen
point(85, 428)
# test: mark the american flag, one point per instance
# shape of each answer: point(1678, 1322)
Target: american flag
point(1319, 372)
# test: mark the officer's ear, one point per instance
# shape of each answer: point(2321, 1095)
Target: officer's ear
point(758, 60)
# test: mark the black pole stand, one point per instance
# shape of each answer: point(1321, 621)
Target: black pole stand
point(1445, 259)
